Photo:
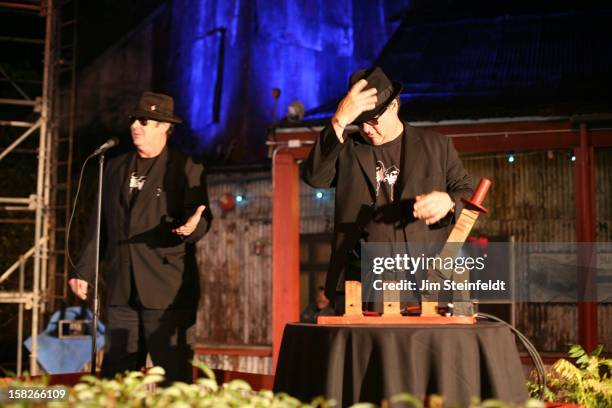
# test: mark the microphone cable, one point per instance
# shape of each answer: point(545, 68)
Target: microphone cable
point(533, 353)
point(74, 204)
point(113, 141)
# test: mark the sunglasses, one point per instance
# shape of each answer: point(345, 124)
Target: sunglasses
point(374, 120)
point(142, 121)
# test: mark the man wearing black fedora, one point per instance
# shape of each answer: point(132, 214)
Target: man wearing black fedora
point(154, 210)
point(394, 182)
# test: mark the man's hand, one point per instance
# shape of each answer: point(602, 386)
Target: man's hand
point(78, 287)
point(191, 224)
point(432, 207)
point(352, 105)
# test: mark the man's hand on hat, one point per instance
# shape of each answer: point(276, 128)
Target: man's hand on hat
point(352, 105)
point(191, 224)
point(432, 207)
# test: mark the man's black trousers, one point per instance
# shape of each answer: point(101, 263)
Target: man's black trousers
point(132, 331)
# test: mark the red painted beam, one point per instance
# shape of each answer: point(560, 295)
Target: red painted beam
point(584, 185)
point(600, 138)
point(502, 127)
point(487, 137)
point(478, 142)
point(510, 136)
point(285, 246)
point(20, 6)
point(301, 135)
point(515, 142)
point(233, 351)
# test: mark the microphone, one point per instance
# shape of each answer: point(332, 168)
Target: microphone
point(113, 141)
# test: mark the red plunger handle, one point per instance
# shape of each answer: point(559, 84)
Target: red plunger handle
point(479, 195)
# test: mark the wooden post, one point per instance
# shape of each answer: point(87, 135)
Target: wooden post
point(352, 304)
point(584, 185)
point(285, 247)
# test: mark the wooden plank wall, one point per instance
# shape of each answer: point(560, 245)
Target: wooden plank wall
point(532, 200)
point(235, 262)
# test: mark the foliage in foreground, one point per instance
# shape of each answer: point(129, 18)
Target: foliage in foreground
point(588, 382)
point(136, 389)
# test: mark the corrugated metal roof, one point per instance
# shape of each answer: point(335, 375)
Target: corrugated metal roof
point(497, 64)
point(500, 53)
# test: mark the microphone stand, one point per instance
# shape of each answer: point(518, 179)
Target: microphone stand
point(96, 300)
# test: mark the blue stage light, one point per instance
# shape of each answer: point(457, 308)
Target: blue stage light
point(211, 62)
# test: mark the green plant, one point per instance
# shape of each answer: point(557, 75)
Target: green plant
point(588, 382)
point(137, 389)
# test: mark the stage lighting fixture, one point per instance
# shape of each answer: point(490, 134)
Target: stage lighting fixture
point(319, 195)
point(511, 157)
point(573, 157)
point(239, 198)
point(295, 111)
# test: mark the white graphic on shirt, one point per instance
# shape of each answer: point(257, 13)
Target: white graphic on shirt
point(137, 182)
point(380, 175)
point(388, 176)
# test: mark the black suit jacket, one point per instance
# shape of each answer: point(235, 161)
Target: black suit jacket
point(140, 237)
point(429, 163)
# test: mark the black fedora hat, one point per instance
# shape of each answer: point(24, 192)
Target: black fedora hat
point(156, 106)
point(387, 90)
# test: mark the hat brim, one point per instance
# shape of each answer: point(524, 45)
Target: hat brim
point(138, 113)
point(368, 115)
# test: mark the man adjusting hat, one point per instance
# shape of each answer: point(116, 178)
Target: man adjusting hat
point(394, 182)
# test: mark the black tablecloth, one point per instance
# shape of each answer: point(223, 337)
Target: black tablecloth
point(370, 363)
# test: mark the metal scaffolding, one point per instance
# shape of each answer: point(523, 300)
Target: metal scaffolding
point(50, 203)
